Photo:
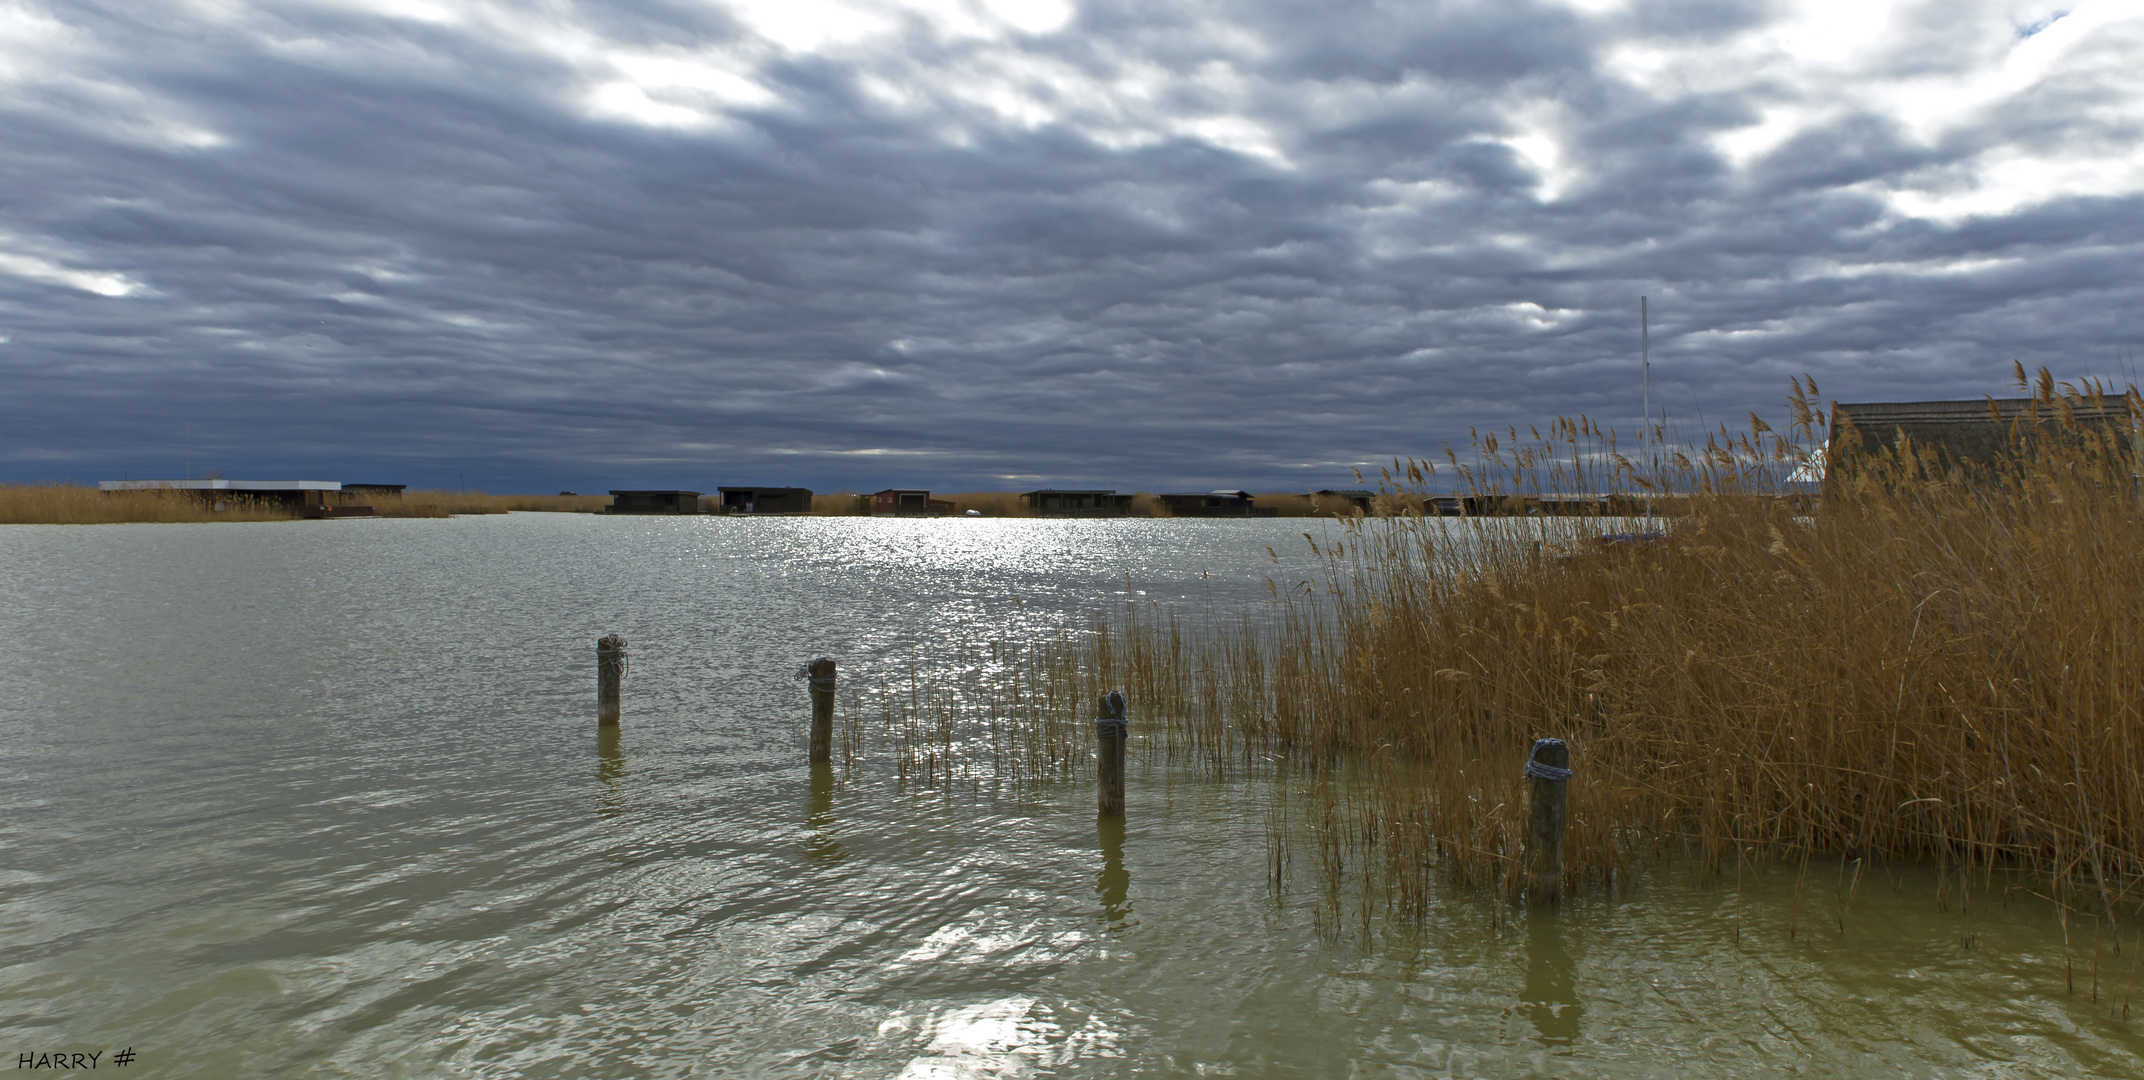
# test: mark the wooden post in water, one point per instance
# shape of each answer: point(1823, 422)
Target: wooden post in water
point(1548, 768)
point(610, 675)
point(1109, 732)
point(821, 674)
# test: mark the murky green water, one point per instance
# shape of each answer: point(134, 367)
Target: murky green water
point(328, 799)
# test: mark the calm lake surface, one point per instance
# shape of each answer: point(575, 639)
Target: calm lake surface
point(328, 799)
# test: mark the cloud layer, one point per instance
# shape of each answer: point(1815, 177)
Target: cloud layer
point(1013, 243)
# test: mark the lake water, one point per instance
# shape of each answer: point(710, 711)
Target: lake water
point(328, 799)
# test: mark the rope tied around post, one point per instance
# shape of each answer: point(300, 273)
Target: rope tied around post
point(611, 655)
point(1541, 771)
point(1112, 704)
point(818, 682)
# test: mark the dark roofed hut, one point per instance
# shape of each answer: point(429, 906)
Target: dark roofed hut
point(1055, 502)
point(303, 498)
point(765, 500)
point(1331, 500)
point(1221, 502)
point(908, 502)
point(1964, 436)
point(653, 502)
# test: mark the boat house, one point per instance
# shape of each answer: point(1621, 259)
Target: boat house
point(1962, 435)
point(1054, 502)
point(1222, 502)
point(1342, 500)
point(653, 502)
point(908, 502)
point(764, 500)
point(1551, 504)
point(303, 498)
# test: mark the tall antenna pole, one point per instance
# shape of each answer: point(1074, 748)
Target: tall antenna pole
point(1645, 379)
point(1645, 358)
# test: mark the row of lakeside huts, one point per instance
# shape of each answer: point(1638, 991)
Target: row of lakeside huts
point(1106, 503)
point(917, 502)
point(1973, 434)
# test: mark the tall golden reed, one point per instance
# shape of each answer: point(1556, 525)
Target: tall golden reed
point(77, 504)
point(1935, 664)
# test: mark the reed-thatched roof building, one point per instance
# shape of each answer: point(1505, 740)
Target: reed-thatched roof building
point(1974, 434)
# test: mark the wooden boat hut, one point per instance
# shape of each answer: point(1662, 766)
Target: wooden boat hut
point(908, 502)
point(764, 500)
point(1221, 502)
point(653, 502)
point(1550, 504)
point(1964, 436)
point(1058, 502)
point(1342, 500)
point(303, 498)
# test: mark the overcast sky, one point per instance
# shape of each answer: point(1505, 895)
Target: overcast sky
point(1005, 244)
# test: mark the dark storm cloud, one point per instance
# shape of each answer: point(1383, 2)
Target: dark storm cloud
point(663, 243)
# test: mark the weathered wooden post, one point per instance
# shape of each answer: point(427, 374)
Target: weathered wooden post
point(611, 666)
point(1109, 732)
point(821, 674)
point(1549, 767)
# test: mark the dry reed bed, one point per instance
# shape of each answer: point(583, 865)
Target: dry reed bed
point(1934, 666)
point(77, 504)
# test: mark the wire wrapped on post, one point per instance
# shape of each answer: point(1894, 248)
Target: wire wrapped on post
point(818, 682)
point(1112, 708)
point(1548, 771)
point(611, 654)
point(1541, 770)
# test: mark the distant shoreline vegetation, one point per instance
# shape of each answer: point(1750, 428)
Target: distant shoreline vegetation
point(1145, 504)
point(82, 504)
